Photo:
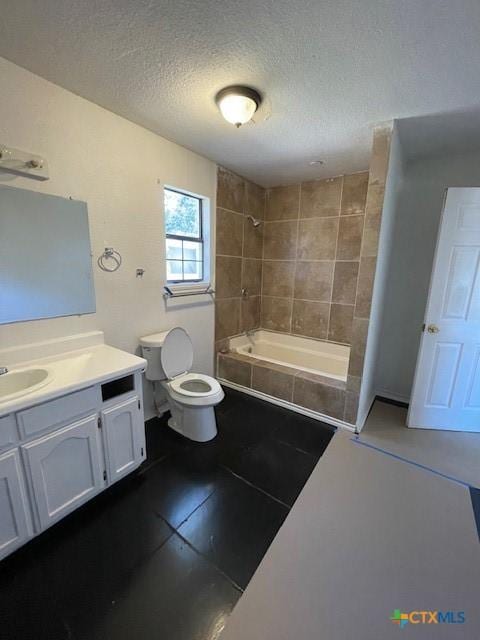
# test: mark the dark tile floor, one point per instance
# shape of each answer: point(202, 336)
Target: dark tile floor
point(167, 552)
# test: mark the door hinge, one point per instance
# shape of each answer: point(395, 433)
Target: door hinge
point(139, 405)
point(105, 475)
point(141, 452)
point(99, 423)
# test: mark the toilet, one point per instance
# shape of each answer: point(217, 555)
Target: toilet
point(191, 397)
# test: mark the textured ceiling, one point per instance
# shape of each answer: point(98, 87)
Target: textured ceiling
point(330, 69)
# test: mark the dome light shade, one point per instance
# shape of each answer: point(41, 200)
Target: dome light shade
point(238, 104)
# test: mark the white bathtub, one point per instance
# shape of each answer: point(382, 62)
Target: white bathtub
point(314, 356)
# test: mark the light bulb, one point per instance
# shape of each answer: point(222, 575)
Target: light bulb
point(238, 104)
point(237, 109)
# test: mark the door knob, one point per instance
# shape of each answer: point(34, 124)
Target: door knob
point(432, 328)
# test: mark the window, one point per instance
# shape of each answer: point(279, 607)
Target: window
point(184, 237)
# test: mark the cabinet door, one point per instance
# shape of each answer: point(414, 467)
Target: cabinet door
point(15, 525)
point(66, 469)
point(124, 434)
point(8, 432)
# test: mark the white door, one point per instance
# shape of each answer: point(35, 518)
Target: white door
point(15, 524)
point(124, 433)
point(446, 390)
point(66, 469)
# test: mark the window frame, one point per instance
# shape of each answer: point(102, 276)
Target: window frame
point(202, 239)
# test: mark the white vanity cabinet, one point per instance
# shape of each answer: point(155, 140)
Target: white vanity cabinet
point(124, 434)
point(8, 432)
point(15, 523)
point(57, 455)
point(66, 469)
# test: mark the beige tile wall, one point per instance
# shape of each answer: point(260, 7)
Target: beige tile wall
point(318, 393)
point(320, 245)
point(368, 260)
point(238, 260)
point(311, 257)
point(300, 267)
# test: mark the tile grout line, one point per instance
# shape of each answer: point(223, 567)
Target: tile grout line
point(240, 309)
point(263, 258)
point(190, 514)
point(335, 260)
point(362, 243)
point(148, 556)
point(299, 449)
point(146, 466)
point(227, 255)
point(299, 210)
point(344, 304)
point(360, 259)
point(210, 562)
point(294, 260)
point(250, 484)
point(347, 215)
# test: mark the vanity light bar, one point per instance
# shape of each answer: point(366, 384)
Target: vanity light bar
point(21, 163)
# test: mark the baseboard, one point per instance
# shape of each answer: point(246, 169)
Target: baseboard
point(393, 398)
point(288, 405)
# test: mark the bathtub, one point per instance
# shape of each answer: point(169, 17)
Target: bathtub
point(305, 354)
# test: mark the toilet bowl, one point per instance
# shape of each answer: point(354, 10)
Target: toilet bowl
point(191, 396)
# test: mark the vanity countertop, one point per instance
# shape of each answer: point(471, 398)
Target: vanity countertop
point(72, 371)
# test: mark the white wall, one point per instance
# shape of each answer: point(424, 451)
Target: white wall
point(118, 168)
point(416, 226)
point(380, 289)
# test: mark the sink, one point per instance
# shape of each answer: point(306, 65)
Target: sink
point(23, 381)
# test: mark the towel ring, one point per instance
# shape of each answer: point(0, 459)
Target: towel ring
point(109, 254)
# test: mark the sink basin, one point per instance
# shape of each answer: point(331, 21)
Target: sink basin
point(23, 381)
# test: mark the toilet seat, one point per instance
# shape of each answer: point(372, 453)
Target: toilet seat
point(190, 389)
point(176, 355)
point(194, 399)
point(184, 385)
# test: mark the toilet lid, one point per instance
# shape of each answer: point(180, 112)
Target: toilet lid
point(177, 353)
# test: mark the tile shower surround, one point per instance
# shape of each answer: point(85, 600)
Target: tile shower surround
point(311, 256)
point(300, 266)
point(238, 261)
point(289, 277)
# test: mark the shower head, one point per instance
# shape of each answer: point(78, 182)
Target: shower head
point(255, 221)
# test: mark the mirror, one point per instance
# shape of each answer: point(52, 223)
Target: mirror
point(45, 257)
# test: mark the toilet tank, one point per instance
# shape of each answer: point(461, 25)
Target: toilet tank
point(151, 348)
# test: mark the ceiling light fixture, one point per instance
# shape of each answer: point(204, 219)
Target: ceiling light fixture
point(238, 104)
point(314, 163)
